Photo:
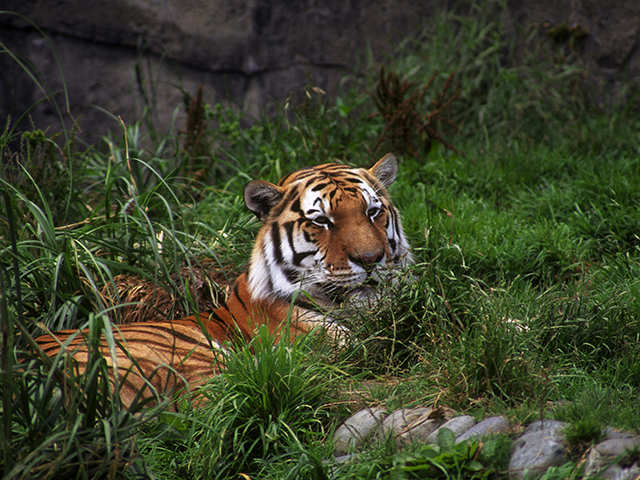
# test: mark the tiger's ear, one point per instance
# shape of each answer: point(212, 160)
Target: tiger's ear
point(385, 169)
point(261, 196)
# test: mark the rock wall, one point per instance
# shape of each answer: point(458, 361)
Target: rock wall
point(605, 36)
point(122, 55)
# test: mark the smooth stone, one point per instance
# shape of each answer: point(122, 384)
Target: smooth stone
point(534, 452)
point(419, 432)
point(604, 453)
point(404, 419)
point(616, 472)
point(457, 425)
point(356, 429)
point(345, 458)
point(611, 433)
point(548, 425)
point(488, 426)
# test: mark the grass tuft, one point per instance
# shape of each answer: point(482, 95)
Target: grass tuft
point(268, 402)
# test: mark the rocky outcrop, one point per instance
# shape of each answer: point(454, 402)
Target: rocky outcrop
point(125, 55)
point(604, 36)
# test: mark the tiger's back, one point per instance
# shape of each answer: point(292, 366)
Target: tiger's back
point(330, 231)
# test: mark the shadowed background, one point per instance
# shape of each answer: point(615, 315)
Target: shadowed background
point(126, 55)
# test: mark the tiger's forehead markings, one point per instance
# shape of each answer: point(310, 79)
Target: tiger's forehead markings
point(321, 189)
point(332, 191)
point(318, 172)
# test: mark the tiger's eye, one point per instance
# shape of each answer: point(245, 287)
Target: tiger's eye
point(322, 220)
point(373, 212)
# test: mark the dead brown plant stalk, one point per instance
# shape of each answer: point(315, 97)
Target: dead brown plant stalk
point(195, 143)
point(408, 122)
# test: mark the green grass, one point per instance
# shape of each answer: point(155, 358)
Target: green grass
point(62, 423)
point(524, 298)
point(268, 403)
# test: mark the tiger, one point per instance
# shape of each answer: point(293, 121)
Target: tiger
point(329, 234)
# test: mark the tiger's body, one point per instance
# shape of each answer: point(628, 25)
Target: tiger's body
point(329, 231)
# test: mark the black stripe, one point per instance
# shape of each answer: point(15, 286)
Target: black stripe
point(148, 328)
point(288, 227)
point(306, 235)
point(277, 210)
point(140, 329)
point(275, 238)
point(396, 229)
point(337, 166)
point(236, 292)
point(310, 182)
point(298, 175)
point(179, 335)
point(217, 318)
point(302, 302)
point(373, 182)
point(52, 348)
point(396, 222)
point(268, 270)
point(291, 274)
point(299, 256)
point(320, 186)
point(123, 342)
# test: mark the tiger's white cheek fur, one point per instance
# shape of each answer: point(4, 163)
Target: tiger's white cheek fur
point(401, 254)
point(268, 276)
point(259, 276)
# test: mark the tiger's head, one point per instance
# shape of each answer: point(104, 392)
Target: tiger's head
point(329, 230)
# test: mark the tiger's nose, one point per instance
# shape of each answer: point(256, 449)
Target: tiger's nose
point(367, 258)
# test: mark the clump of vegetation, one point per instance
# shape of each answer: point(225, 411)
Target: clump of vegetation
point(443, 460)
point(58, 422)
point(268, 402)
point(523, 298)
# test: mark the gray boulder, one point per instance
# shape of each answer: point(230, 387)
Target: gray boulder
point(407, 424)
point(457, 425)
point(549, 426)
point(542, 447)
point(488, 426)
point(356, 429)
point(603, 459)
